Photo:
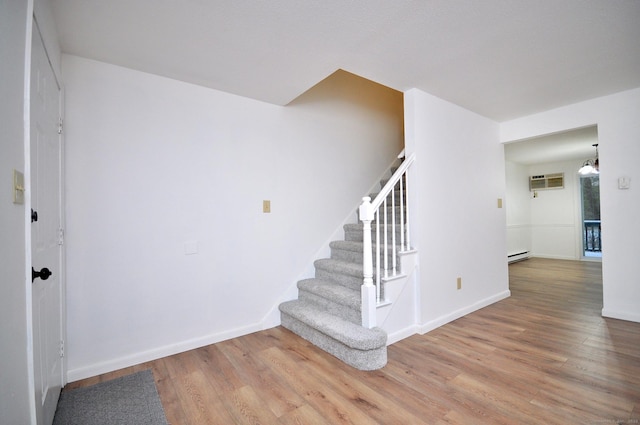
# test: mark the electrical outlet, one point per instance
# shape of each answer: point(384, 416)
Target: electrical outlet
point(266, 206)
point(459, 283)
point(499, 202)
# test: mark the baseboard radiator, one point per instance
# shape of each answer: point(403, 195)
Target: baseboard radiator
point(518, 256)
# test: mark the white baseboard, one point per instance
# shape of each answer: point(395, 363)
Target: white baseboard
point(133, 359)
point(554, 257)
point(76, 374)
point(621, 315)
point(443, 320)
point(402, 334)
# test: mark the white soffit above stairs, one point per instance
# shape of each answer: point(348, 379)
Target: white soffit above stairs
point(500, 58)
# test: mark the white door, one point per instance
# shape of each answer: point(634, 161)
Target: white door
point(46, 249)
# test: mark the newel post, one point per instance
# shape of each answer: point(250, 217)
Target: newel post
point(368, 290)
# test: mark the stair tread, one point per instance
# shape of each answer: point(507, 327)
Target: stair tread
point(347, 245)
point(339, 266)
point(357, 246)
point(348, 333)
point(332, 291)
point(354, 227)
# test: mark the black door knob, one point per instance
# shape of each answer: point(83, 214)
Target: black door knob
point(34, 215)
point(43, 274)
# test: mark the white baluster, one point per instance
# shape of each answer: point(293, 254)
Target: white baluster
point(402, 213)
point(378, 274)
point(408, 232)
point(386, 239)
point(393, 231)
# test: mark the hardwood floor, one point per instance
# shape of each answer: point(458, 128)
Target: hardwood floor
point(543, 356)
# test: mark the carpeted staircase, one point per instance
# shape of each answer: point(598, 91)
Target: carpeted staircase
point(328, 309)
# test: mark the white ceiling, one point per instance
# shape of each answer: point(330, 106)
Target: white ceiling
point(565, 146)
point(500, 58)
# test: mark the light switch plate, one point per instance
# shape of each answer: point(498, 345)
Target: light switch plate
point(18, 187)
point(266, 206)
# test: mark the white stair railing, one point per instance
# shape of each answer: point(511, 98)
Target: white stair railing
point(386, 245)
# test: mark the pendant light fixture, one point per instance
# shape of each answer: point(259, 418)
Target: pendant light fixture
point(591, 166)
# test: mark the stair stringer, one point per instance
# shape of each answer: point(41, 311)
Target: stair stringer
point(397, 314)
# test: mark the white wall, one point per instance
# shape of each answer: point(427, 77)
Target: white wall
point(459, 229)
point(518, 208)
point(551, 222)
point(556, 214)
point(619, 149)
point(156, 167)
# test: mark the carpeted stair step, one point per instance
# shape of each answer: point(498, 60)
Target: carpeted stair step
point(332, 297)
point(362, 348)
point(343, 272)
point(390, 210)
point(353, 232)
point(396, 200)
point(390, 216)
point(351, 251)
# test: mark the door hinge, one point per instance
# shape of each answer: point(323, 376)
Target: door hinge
point(61, 348)
point(60, 236)
point(60, 122)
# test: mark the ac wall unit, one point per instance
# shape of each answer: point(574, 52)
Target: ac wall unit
point(546, 181)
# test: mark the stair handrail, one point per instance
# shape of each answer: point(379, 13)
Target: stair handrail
point(395, 178)
point(369, 211)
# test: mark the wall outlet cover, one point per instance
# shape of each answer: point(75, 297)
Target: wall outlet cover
point(190, 247)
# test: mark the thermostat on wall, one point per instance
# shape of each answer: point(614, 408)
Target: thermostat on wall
point(624, 182)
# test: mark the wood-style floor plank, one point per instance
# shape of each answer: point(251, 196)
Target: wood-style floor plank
point(543, 356)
